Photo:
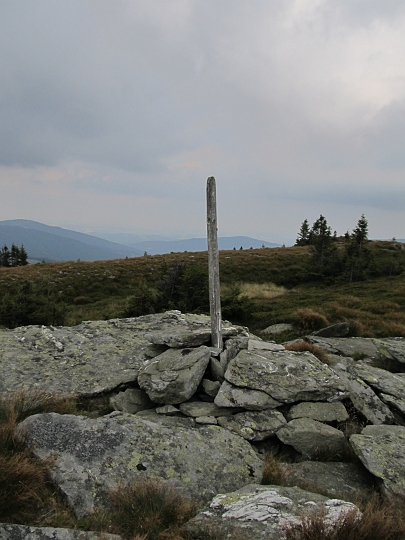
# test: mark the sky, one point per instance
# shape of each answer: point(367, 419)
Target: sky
point(113, 114)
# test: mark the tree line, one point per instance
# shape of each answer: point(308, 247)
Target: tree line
point(352, 263)
point(16, 256)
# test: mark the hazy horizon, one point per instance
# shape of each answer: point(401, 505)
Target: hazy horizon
point(113, 115)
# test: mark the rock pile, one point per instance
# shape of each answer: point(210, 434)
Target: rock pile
point(198, 417)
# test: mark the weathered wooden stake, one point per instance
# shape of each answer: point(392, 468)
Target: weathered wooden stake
point(213, 265)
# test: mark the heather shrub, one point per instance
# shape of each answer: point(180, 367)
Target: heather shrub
point(302, 345)
point(308, 319)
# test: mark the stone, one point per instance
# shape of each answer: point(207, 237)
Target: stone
point(174, 376)
point(232, 348)
point(280, 328)
point(392, 348)
point(335, 330)
point(347, 346)
point(92, 455)
point(363, 397)
point(347, 481)
point(131, 401)
point(200, 408)
point(93, 358)
point(10, 531)
point(394, 402)
point(168, 410)
point(312, 439)
point(211, 387)
point(206, 420)
point(256, 345)
point(323, 412)
point(254, 425)
point(255, 512)
point(252, 400)
point(286, 376)
point(380, 379)
point(381, 450)
point(180, 338)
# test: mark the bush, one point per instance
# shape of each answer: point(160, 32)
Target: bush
point(147, 508)
point(308, 319)
point(302, 345)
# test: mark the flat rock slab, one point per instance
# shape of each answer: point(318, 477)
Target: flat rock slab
point(312, 438)
point(230, 395)
point(94, 455)
point(254, 425)
point(10, 531)
point(347, 346)
point(286, 376)
point(380, 379)
point(255, 512)
point(363, 397)
point(87, 359)
point(323, 412)
point(201, 408)
point(381, 450)
point(174, 376)
point(379, 349)
point(347, 481)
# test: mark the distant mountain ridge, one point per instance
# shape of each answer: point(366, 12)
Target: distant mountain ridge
point(48, 243)
point(44, 242)
point(154, 247)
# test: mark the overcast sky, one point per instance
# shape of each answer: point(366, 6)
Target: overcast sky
point(115, 112)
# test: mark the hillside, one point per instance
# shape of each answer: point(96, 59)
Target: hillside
point(259, 287)
point(47, 243)
point(43, 242)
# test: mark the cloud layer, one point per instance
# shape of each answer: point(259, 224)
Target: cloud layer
point(113, 114)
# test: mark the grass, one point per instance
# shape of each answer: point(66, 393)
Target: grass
point(274, 280)
point(148, 509)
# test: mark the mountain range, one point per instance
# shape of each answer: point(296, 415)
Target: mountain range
point(47, 243)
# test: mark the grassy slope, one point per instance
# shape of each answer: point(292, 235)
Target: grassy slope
point(98, 290)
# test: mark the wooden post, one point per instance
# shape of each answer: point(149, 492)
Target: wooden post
point(213, 265)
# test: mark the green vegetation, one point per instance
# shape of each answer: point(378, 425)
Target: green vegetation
point(260, 287)
point(14, 257)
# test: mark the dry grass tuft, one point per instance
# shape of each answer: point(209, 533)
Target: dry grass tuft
point(23, 482)
point(382, 519)
point(274, 471)
point(261, 290)
point(19, 405)
point(148, 508)
point(308, 319)
point(301, 346)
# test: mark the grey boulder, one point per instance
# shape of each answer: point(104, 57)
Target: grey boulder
point(340, 480)
point(10, 531)
point(286, 376)
point(131, 400)
point(174, 376)
point(254, 425)
point(255, 512)
point(94, 455)
point(323, 412)
point(251, 400)
point(312, 439)
point(363, 397)
point(381, 450)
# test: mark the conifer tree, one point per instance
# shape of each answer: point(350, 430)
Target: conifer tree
point(303, 234)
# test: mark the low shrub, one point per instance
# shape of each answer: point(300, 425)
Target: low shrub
point(308, 319)
point(147, 508)
point(302, 345)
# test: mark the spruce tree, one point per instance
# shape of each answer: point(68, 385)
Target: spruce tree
point(303, 235)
